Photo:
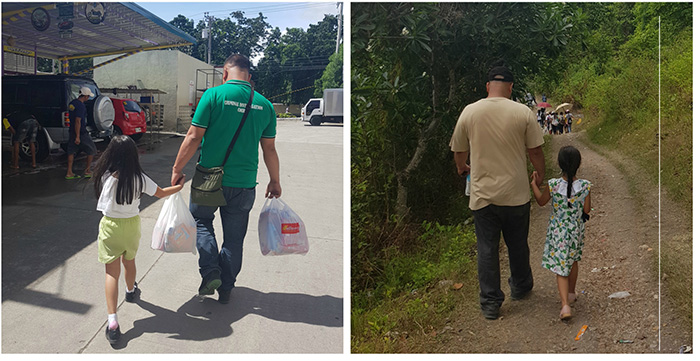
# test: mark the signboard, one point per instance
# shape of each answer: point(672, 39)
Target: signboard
point(18, 60)
point(95, 12)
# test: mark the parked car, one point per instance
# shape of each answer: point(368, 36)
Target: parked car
point(129, 118)
point(47, 98)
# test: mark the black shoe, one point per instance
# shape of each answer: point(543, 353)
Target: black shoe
point(113, 335)
point(490, 312)
point(520, 296)
point(224, 296)
point(210, 283)
point(133, 296)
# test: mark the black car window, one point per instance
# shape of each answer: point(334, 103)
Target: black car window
point(312, 105)
point(131, 106)
point(46, 94)
point(8, 93)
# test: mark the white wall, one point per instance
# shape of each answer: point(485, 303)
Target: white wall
point(168, 70)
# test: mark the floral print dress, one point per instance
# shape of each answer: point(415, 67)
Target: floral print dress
point(564, 244)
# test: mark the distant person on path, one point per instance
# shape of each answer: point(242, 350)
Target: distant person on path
point(555, 123)
point(119, 183)
point(495, 135)
point(215, 121)
point(78, 136)
point(23, 127)
point(544, 98)
point(571, 204)
point(569, 120)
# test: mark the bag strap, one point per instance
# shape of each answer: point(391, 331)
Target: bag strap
point(238, 131)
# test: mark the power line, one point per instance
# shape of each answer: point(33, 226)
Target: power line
point(269, 8)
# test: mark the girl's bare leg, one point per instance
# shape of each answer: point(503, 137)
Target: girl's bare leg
point(563, 287)
point(112, 285)
point(129, 273)
point(573, 276)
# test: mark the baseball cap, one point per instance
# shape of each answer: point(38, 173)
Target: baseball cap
point(500, 73)
point(86, 91)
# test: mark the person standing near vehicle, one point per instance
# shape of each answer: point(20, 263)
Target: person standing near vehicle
point(23, 127)
point(78, 136)
point(495, 135)
point(215, 121)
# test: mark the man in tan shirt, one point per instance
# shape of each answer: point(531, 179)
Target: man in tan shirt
point(494, 135)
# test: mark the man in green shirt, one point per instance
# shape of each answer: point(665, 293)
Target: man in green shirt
point(215, 121)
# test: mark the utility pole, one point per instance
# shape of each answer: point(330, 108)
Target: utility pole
point(340, 27)
point(209, 35)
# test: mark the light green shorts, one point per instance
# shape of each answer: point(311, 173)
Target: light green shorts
point(117, 237)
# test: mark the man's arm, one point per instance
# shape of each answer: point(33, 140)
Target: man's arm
point(187, 150)
point(461, 161)
point(273, 167)
point(537, 159)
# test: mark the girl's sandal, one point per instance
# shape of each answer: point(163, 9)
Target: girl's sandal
point(565, 313)
point(572, 298)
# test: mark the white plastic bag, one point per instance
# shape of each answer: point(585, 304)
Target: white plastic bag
point(175, 230)
point(280, 230)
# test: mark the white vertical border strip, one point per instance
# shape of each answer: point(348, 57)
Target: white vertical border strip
point(346, 176)
point(659, 210)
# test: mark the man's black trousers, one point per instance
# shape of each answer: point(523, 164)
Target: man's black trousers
point(514, 223)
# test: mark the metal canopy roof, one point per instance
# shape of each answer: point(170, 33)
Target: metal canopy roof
point(125, 27)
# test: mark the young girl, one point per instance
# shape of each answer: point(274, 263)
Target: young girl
point(571, 204)
point(119, 182)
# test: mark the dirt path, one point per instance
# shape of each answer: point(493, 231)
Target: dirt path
point(619, 254)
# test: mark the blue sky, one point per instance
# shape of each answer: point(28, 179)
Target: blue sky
point(279, 14)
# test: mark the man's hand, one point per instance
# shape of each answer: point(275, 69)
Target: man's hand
point(77, 140)
point(464, 169)
point(273, 190)
point(461, 159)
point(177, 178)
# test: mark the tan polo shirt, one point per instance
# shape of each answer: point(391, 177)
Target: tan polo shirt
point(497, 133)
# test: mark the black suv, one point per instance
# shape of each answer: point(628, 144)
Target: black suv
point(47, 98)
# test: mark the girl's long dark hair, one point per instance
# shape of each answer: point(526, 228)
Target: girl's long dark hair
point(569, 160)
point(121, 158)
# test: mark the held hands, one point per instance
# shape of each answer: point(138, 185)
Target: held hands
point(536, 179)
point(273, 190)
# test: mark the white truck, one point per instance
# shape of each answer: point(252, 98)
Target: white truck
point(328, 109)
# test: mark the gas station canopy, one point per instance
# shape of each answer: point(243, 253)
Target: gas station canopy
point(65, 31)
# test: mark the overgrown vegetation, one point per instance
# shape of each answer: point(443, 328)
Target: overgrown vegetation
point(614, 80)
point(415, 67)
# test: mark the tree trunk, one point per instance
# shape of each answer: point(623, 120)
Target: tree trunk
point(401, 208)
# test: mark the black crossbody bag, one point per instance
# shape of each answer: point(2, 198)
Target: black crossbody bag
point(207, 188)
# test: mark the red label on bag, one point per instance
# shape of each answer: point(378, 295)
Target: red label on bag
point(290, 228)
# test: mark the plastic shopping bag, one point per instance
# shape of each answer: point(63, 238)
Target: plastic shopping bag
point(281, 231)
point(175, 230)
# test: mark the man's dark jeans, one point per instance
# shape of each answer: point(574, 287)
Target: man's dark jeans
point(234, 221)
point(514, 222)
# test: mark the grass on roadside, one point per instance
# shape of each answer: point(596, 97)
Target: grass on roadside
point(416, 293)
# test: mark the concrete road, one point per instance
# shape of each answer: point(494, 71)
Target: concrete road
point(53, 286)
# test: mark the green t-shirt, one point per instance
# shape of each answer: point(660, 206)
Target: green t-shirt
point(220, 111)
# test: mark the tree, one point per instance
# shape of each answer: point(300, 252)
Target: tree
point(333, 75)
point(415, 65)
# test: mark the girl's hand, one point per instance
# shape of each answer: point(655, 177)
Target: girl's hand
point(534, 179)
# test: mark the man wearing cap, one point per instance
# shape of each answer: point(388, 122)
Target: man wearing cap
point(78, 136)
point(494, 135)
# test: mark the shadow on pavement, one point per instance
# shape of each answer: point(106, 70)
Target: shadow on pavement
point(47, 219)
point(206, 319)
